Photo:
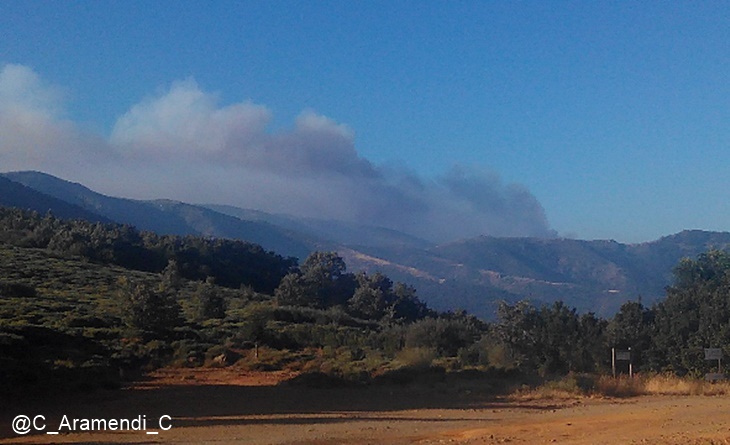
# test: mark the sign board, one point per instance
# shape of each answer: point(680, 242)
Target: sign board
point(623, 355)
point(713, 353)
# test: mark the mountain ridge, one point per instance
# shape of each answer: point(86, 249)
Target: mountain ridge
point(165, 216)
point(14, 194)
point(470, 274)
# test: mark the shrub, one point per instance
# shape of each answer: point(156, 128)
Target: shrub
point(416, 357)
point(208, 303)
point(14, 290)
point(148, 311)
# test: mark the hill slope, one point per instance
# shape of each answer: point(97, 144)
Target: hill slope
point(470, 274)
point(595, 276)
point(165, 216)
point(329, 231)
point(13, 194)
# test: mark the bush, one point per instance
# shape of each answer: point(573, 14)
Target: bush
point(208, 303)
point(14, 290)
point(445, 336)
point(149, 311)
point(416, 357)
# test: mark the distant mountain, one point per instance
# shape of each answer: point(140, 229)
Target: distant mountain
point(595, 276)
point(329, 231)
point(13, 194)
point(166, 217)
point(470, 274)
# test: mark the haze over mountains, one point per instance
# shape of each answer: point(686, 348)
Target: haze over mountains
point(469, 274)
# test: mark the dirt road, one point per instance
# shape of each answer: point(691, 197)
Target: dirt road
point(253, 411)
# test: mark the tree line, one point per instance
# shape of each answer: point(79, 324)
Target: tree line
point(206, 295)
point(669, 336)
point(232, 263)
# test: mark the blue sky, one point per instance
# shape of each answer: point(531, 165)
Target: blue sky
point(610, 117)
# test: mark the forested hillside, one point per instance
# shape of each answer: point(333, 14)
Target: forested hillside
point(13, 194)
point(472, 274)
point(231, 263)
point(88, 304)
point(163, 217)
point(593, 276)
point(84, 305)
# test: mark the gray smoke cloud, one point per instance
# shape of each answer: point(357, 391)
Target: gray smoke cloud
point(183, 145)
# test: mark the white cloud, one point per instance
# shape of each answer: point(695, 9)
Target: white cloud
point(33, 134)
point(184, 145)
point(186, 121)
point(23, 90)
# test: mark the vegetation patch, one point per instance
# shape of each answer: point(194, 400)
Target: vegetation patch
point(87, 305)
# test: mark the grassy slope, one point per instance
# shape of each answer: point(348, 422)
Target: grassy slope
point(72, 325)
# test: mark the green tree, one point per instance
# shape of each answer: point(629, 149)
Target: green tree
point(632, 327)
point(373, 296)
point(325, 273)
point(551, 339)
point(695, 314)
point(377, 298)
point(208, 302)
point(321, 282)
point(171, 280)
point(406, 305)
point(517, 328)
point(559, 334)
point(294, 291)
point(148, 311)
point(446, 335)
point(592, 349)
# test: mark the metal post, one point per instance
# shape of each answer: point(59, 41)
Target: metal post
point(613, 362)
point(631, 365)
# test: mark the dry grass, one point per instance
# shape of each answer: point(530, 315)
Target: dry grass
point(672, 385)
point(576, 386)
point(416, 357)
point(621, 386)
point(569, 387)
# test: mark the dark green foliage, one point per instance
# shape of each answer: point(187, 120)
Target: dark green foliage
point(65, 314)
point(695, 314)
point(671, 335)
point(321, 282)
point(376, 299)
point(373, 297)
point(208, 302)
point(10, 290)
point(591, 356)
point(633, 327)
point(551, 339)
point(446, 336)
point(558, 338)
point(294, 290)
point(148, 311)
point(517, 328)
point(232, 263)
point(44, 359)
point(406, 306)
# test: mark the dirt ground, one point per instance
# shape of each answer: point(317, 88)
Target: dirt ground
point(235, 407)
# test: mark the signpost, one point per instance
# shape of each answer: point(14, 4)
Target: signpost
point(714, 354)
point(622, 355)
